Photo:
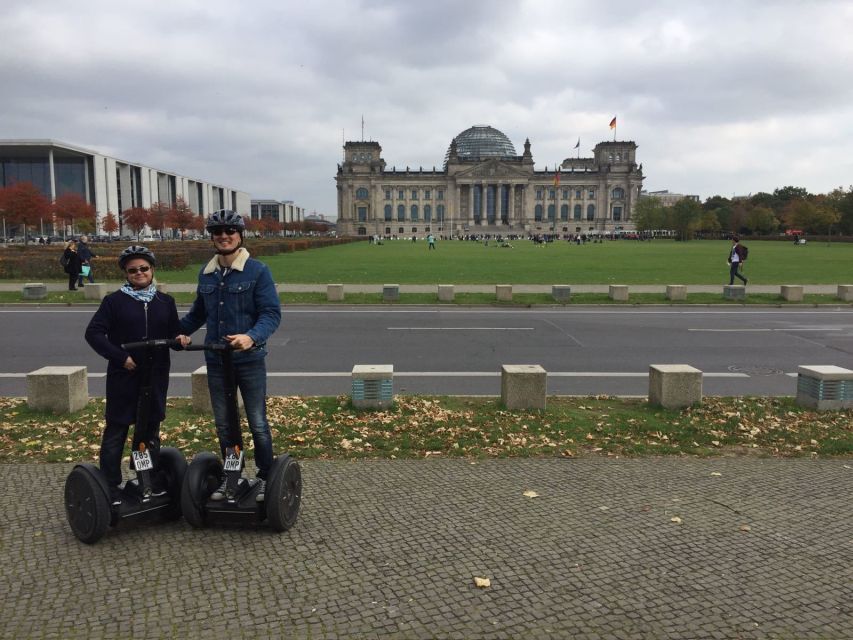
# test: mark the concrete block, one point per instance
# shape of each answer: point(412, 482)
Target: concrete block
point(34, 291)
point(523, 386)
point(95, 290)
point(162, 287)
point(391, 293)
point(676, 292)
point(335, 292)
point(845, 292)
point(503, 292)
point(674, 386)
point(792, 292)
point(619, 292)
point(561, 293)
point(58, 389)
point(446, 293)
point(734, 292)
point(824, 387)
point(372, 386)
point(201, 392)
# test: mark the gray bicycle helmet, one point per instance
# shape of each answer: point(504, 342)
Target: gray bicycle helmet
point(225, 218)
point(136, 251)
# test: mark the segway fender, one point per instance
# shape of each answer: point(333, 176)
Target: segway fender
point(98, 476)
point(174, 465)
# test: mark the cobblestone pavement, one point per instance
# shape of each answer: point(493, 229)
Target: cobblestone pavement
point(391, 549)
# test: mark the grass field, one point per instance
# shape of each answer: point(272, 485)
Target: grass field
point(619, 262)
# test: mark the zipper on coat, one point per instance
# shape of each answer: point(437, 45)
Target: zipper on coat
point(145, 306)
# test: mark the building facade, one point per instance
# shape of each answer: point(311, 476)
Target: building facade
point(485, 188)
point(283, 211)
point(108, 183)
point(668, 199)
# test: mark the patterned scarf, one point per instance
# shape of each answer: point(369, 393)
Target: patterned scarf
point(143, 295)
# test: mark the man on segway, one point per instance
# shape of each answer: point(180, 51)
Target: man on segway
point(135, 312)
point(237, 301)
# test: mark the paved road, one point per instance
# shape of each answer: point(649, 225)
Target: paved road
point(586, 350)
point(390, 549)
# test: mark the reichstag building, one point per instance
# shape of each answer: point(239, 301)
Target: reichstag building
point(486, 188)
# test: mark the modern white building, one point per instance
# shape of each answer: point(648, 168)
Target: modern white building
point(283, 211)
point(110, 184)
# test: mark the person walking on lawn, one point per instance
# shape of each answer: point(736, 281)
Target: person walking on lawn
point(737, 256)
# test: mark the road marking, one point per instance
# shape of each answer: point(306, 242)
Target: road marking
point(440, 374)
point(459, 328)
point(788, 330)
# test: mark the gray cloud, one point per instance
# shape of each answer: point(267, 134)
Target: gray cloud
point(725, 97)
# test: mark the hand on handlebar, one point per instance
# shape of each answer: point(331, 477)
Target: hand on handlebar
point(129, 364)
point(184, 340)
point(240, 342)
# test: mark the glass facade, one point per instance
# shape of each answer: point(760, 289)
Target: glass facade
point(35, 170)
point(481, 142)
point(70, 176)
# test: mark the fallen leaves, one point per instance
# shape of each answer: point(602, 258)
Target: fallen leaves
point(482, 583)
point(530, 494)
point(676, 520)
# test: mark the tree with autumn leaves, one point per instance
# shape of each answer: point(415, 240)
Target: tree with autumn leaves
point(23, 204)
point(180, 217)
point(71, 208)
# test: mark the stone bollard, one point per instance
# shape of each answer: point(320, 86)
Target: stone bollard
point(34, 291)
point(824, 387)
point(94, 290)
point(372, 386)
point(503, 292)
point(792, 292)
point(201, 392)
point(561, 293)
point(162, 287)
point(58, 389)
point(845, 292)
point(619, 292)
point(391, 293)
point(734, 292)
point(335, 292)
point(676, 292)
point(674, 386)
point(523, 386)
point(446, 293)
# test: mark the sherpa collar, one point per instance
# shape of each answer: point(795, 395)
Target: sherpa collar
point(238, 264)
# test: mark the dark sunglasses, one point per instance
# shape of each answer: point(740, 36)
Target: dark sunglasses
point(218, 231)
point(142, 269)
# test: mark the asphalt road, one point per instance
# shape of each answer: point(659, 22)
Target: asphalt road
point(586, 350)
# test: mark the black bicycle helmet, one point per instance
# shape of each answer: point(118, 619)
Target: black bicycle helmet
point(225, 218)
point(136, 251)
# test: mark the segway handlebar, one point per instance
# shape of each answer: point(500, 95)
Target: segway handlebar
point(213, 346)
point(148, 344)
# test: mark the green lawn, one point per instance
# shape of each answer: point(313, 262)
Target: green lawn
point(620, 262)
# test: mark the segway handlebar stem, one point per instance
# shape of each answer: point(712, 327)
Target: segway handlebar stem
point(149, 344)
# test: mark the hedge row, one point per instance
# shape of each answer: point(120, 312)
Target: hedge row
point(41, 262)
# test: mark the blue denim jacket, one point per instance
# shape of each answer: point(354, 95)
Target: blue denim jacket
point(244, 301)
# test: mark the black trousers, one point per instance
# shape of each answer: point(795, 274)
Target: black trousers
point(72, 280)
point(112, 447)
point(734, 273)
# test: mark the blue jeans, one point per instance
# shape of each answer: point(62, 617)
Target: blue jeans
point(251, 379)
point(80, 277)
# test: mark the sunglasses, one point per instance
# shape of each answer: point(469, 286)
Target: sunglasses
point(133, 270)
point(218, 231)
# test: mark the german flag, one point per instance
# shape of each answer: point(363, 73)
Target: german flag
point(613, 123)
point(557, 177)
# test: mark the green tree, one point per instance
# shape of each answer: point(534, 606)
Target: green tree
point(649, 214)
point(842, 201)
point(685, 218)
point(716, 202)
point(810, 217)
point(762, 220)
point(709, 223)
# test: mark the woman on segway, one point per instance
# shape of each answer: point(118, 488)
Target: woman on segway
point(135, 312)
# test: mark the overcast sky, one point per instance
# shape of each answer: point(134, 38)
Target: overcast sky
point(721, 97)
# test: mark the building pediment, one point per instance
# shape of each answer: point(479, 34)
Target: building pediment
point(492, 169)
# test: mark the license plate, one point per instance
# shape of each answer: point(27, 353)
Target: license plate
point(142, 461)
point(233, 462)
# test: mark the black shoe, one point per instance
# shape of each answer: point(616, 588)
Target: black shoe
point(72, 288)
point(159, 485)
point(219, 494)
point(115, 496)
point(260, 495)
point(745, 282)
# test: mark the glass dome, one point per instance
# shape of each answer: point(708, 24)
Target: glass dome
point(481, 141)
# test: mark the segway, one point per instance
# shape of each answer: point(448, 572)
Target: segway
point(88, 506)
point(283, 495)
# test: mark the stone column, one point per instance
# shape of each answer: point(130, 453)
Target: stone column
point(510, 214)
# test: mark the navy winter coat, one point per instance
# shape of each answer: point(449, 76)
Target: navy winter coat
point(121, 319)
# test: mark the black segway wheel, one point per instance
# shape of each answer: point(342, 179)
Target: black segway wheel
point(174, 466)
point(86, 506)
point(202, 478)
point(283, 493)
